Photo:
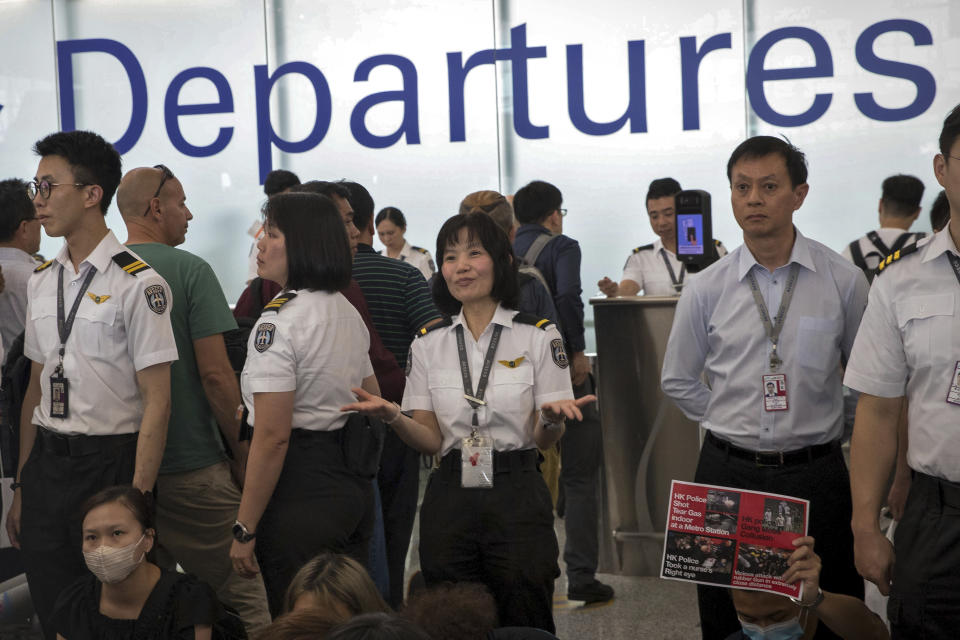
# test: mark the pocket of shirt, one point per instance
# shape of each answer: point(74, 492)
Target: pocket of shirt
point(512, 389)
point(43, 315)
point(94, 328)
point(446, 390)
point(926, 324)
point(817, 343)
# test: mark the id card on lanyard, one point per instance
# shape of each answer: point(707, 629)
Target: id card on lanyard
point(953, 391)
point(774, 384)
point(59, 384)
point(476, 451)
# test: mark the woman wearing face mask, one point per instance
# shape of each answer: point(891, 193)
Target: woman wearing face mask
point(486, 388)
point(768, 616)
point(127, 596)
point(391, 226)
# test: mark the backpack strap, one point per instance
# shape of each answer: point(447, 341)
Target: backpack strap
point(857, 255)
point(878, 243)
point(903, 240)
point(536, 247)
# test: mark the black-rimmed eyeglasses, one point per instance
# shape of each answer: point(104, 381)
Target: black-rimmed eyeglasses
point(43, 187)
point(166, 175)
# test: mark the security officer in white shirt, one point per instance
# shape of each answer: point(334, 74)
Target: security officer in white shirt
point(300, 496)
point(391, 226)
point(98, 332)
point(654, 268)
point(908, 349)
point(19, 240)
point(474, 384)
point(779, 309)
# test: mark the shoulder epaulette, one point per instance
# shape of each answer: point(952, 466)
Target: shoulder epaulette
point(645, 247)
point(278, 302)
point(420, 249)
point(129, 263)
point(896, 255)
point(717, 242)
point(537, 321)
point(445, 322)
point(45, 265)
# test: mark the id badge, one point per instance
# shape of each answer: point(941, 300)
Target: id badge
point(476, 463)
point(775, 392)
point(953, 395)
point(59, 397)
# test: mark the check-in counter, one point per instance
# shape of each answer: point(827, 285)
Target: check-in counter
point(647, 441)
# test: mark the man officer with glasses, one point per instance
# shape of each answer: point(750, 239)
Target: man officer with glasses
point(19, 240)
point(99, 337)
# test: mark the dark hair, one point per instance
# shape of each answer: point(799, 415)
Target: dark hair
point(536, 201)
point(663, 188)
point(318, 252)
point(15, 207)
point(130, 497)
point(902, 194)
point(92, 159)
point(940, 212)
point(392, 214)
point(338, 578)
point(279, 180)
point(494, 240)
point(950, 131)
point(464, 610)
point(361, 202)
point(378, 626)
point(760, 146)
point(323, 188)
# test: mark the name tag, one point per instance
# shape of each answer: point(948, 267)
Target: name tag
point(59, 397)
point(775, 392)
point(476, 463)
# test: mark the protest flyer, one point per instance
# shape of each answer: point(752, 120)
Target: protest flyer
point(732, 537)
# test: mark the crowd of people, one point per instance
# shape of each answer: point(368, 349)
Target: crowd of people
point(272, 453)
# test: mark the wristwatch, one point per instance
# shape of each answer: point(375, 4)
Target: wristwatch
point(813, 605)
point(241, 534)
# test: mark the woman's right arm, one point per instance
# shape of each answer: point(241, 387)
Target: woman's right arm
point(422, 431)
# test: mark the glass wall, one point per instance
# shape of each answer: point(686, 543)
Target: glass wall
point(424, 101)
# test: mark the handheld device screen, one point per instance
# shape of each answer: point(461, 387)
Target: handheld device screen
point(690, 234)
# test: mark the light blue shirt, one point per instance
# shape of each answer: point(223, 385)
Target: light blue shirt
point(717, 331)
point(17, 268)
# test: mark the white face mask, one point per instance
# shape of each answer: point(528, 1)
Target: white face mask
point(114, 564)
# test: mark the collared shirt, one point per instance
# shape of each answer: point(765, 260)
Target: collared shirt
point(118, 331)
point(17, 267)
point(315, 345)
point(559, 262)
point(647, 268)
point(871, 253)
point(717, 330)
point(513, 394)
point(909, 344)
point(418, 257)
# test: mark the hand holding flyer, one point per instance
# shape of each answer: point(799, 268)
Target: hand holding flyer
point(732, 537)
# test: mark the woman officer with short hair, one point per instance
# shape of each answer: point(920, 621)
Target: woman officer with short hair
point(474, 386)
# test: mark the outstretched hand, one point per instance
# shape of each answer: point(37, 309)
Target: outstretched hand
point(373, 406)
point(562, 409)
point(804, 565)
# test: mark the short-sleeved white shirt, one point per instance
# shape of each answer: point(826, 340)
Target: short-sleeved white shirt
point(316, 345)
point(122, 326)
point(646, 267)
point(18, 268)
point(418, 257)
point(539, 374)
point(909, 344)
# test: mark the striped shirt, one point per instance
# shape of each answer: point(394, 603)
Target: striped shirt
point(398, 298)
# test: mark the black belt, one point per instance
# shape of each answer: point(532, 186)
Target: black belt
point(947, 492)
point(313, 434)
point(774, 458)
point(503, 461)
point(60, 444)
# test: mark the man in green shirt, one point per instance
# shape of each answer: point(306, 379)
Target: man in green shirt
point(197, 489)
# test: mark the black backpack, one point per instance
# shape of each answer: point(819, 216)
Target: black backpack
point(236, 341)
point(882, 251)
point(16, 377)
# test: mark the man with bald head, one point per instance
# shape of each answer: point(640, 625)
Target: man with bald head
point(195, 525)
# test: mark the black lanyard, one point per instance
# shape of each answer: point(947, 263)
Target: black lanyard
point(677, 284)
point(65, 326)
point(955, 263)
point(773, 330)
point(476, 399)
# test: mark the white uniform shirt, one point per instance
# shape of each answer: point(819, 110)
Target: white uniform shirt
point(871, 254)
point(513, 394)
point(717, 330)
point(418, 257)
point(127, 331)
point(316, 345)
point(17, 266)
point(647, 268)
point(909, 344)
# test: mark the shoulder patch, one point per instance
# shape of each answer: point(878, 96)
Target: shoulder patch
point(645, 247)
point(266, 332)
point(277, 303)
point(128, 263)
point(538, 322)
point(896, 255)
point(422, 331)
point(420, 249)
point(45, 265)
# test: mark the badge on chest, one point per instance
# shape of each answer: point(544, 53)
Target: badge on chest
point(775, 392)
point(476, 462)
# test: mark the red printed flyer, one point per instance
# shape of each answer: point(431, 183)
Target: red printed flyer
point(732, 537)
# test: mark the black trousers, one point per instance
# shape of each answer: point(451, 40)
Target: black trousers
point(501, 537)
point(58, 477)
point(318, 505)
point(581, 456)
point(399, 482)
point(925, 598)
point(825, 482)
